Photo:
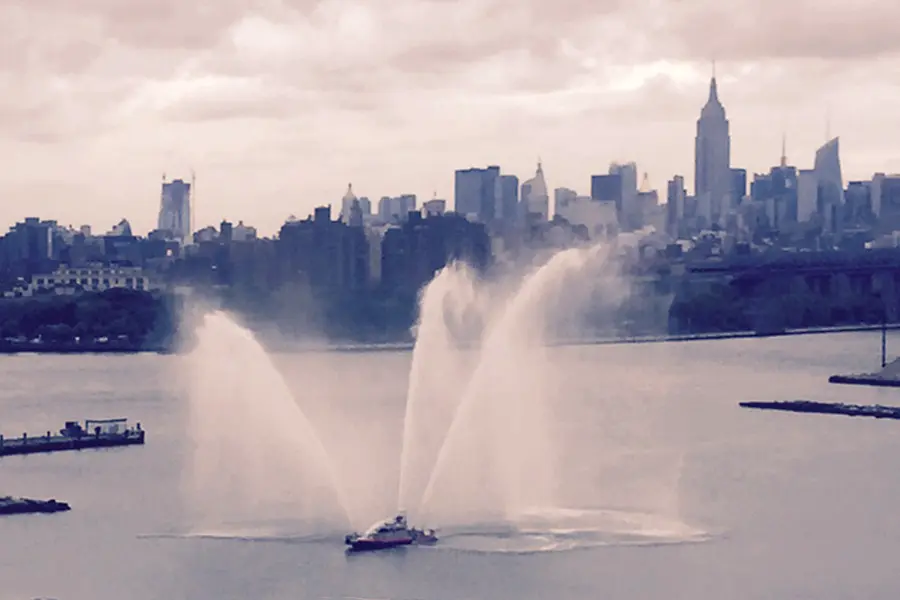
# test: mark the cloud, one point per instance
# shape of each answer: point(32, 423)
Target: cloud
point(400, 92)
point(310, 55)
point(148, 24)
point(756, 30)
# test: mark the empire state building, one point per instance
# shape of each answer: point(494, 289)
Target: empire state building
point(712, 159)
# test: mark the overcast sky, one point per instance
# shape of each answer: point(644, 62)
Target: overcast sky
point(278, 104)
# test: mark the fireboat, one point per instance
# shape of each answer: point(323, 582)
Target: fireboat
point(390, 533)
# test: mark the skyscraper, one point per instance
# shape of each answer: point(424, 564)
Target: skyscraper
point(534, 197)
point(885, 194)
point(347, 203)
point(807, 195)
point(738, 184)
point(396, 209)
point(831, 183)
point(675, 196)
point(175, 209)
point(562, 198)
point(475, 193)
point(506, 197)
point(607, 188)
point(628, 174)
point(712, 156)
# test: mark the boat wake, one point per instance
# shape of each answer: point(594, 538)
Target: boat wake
point(537, 531)
point(555, 530)
point(270, 531)
point(241, 537)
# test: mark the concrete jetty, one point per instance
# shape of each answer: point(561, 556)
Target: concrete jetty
point(104, 433)
point(807, 406)
point(889, 376)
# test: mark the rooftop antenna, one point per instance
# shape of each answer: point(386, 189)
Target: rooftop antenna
point(783, 149)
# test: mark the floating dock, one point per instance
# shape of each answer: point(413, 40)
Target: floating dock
point(874, 379)
point(807, 406)
point(105, 433)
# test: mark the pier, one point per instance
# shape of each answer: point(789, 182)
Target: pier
point(888, 376)
point(807, 406)
point(105, 433)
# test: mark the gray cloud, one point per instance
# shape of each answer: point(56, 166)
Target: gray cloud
point(775, 29)
point(351, 52)
point(148, 23)
point(362, 86)
point(56, 108)
point(228, 107)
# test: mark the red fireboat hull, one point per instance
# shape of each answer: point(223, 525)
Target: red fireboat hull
point(363, 545)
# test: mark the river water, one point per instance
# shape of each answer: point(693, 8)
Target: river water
point(723, 502)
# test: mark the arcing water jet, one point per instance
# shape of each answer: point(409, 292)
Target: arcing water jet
point(257, 460)
point(495, 461)
point(437, 376)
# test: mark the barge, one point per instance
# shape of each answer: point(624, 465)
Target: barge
point(24, 506)
point(96, 433)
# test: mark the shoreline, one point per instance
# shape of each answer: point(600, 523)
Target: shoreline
point(597, 341)
point(406, 346)
point(51, 349)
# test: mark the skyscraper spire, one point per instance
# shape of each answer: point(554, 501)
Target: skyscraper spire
point(712, 156)
point(645, 184)
point(713, 108)
point(349, 196)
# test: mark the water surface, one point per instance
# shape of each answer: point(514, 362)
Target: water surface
point(654, 445)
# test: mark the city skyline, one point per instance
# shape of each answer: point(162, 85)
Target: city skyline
point(277, 107)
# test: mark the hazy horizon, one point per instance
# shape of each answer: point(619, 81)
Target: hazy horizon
point(277, 105)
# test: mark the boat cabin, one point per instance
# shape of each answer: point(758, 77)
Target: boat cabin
point(388, 526)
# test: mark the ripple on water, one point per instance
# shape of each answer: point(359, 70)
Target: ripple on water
point(555, 529)
point(534, 531)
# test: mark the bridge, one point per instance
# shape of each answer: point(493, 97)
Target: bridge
point(869, 261)
point(851, 278)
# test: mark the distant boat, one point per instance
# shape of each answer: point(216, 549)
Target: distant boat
point(390, 533)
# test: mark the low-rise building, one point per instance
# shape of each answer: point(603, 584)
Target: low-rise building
point(93, 278)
